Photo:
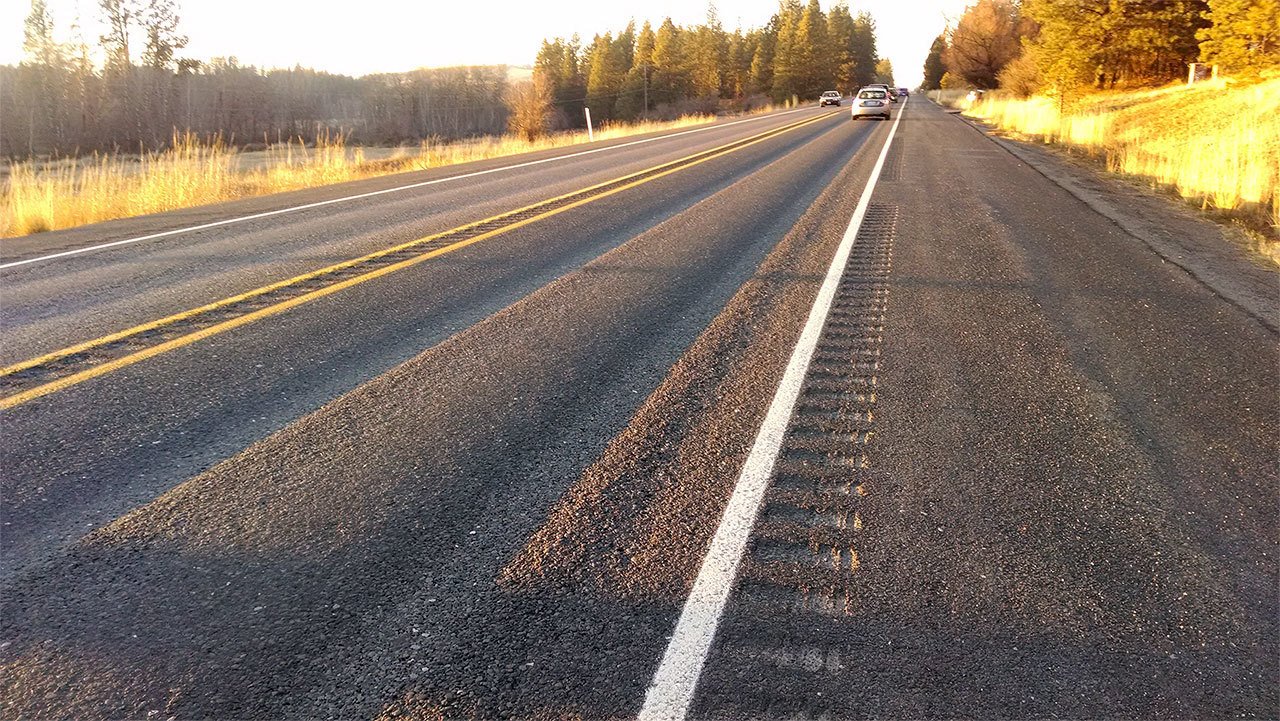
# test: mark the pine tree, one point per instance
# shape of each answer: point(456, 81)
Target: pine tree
point(707, 56)
point(160, 23)
point(1069, 48)
point(634, 98)
point(1244, 37)
point(787, 64)
point(605, 71)
point(670, 79)
point(48, 59)
point(120, 17)
point(840, 31)
point(762, 59)
point(737, 80)
point(884, 72)
point(864, 49)
point(933, 65)
point(812, 52)
point(557, 68)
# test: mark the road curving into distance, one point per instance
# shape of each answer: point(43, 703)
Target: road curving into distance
point(460, 449)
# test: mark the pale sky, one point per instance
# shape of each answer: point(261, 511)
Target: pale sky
point(370, 36)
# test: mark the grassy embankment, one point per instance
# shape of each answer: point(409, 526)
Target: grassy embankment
point(1213, 143)
point(39, 196)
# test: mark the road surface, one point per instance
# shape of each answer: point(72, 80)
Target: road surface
point(793, 417)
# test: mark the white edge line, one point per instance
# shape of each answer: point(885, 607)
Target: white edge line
point(331, 201)
point(671, 691)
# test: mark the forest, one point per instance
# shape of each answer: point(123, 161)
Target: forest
point(133, 90)
point(801, 51)
point(1071, 46)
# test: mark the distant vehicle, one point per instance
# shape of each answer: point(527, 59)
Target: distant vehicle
point(888, 91)
point(831, 97)
point(903, 92)
point(871, 102)
point(975, 95)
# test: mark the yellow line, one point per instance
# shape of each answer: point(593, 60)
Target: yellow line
point(169, 320)
point(113, 365)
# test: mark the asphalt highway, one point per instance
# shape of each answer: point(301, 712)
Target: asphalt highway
point(1031, 471)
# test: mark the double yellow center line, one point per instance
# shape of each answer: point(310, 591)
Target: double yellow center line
point(52, 372)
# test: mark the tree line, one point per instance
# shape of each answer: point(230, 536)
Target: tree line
point(672, 70)
point(58, 101)
point(1063, 46)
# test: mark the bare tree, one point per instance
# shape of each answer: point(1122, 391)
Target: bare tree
point(529, 104)
point(983, 42)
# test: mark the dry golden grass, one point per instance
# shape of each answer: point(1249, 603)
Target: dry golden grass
point(1215, 143)
point(48, 196)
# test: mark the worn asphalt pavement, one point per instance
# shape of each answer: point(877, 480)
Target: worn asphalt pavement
point(1033, 472)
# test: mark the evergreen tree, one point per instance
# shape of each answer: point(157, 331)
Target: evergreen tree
point(864, 49)
point(605, 72)
point(884, 72)
point(737, 76)
point(625, 46)
point(670, 79)
point(707, 56)
point(635, 87)
point(1068, 49)
point(556, 67)
point(933, 65)
point(160, 23)
point(1244, 36)
point(840, 32)
point(1107, 42)
point(48, 59)
point(762, 58)
point(812, 52)
point(788, 66)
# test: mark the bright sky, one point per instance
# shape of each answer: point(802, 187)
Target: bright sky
point(392, 35)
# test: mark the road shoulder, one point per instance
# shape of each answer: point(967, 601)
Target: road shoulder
point(1218, 257)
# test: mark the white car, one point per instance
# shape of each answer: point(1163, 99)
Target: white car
point(871, 102)
point(831, 97)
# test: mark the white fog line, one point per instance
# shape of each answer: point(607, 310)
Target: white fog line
point(331, 201)
point(671, 691)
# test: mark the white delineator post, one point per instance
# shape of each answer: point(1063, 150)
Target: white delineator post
point(591, 134)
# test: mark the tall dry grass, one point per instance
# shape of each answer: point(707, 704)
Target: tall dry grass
point(1214, 143)
point(38, 196)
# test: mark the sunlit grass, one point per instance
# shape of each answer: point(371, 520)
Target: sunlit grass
point(40, 196)
point(1214, 143)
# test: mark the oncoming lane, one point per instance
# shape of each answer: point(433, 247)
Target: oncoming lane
point(86, 453)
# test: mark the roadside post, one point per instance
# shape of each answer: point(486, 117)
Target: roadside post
point(591, 134)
